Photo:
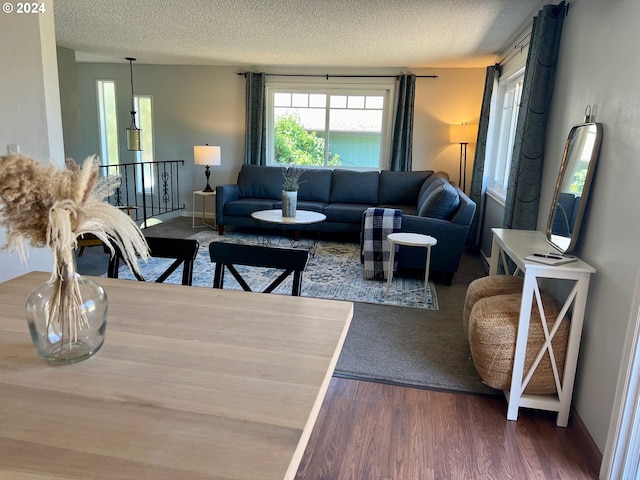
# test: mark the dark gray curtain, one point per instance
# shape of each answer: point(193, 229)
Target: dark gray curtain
point(402, 143)
point(523, 193)
point(478, 184)
point(255, 128)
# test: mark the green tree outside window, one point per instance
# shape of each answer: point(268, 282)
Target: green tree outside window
point(296, 146)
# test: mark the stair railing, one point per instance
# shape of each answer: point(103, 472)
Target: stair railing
point(147, 189)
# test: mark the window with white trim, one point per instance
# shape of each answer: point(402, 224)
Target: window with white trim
point(328, 126)
point(143, 106)
point(503, 131)
point(108, 122)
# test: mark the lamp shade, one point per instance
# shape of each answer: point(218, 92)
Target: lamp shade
point(463, 133)
point(134, 142)
point(206, 155)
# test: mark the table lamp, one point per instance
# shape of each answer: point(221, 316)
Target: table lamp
point(463, 134)
point(206, 155)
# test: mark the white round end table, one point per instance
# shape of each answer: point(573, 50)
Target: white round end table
point(204, 196)
point(410, 240)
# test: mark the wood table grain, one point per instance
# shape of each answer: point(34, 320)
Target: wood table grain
point(191, 383)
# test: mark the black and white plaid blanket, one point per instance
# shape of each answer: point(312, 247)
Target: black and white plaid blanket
point(378, 223)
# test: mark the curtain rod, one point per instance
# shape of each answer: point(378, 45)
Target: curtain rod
point(327, 76)
point(518, 46)
point(523, 41)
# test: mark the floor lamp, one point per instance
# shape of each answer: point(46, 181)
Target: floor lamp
point(463, 134)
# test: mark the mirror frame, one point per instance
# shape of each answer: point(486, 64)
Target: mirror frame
point(585, 191)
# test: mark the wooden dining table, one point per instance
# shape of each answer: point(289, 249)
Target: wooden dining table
point(191, 383)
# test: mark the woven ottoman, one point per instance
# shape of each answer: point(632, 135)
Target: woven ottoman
point(488, 287)
point(493, 325)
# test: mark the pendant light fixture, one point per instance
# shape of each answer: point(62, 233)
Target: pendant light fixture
point(134, 134)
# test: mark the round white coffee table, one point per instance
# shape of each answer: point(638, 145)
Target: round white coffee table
point(303, 217)
point(410, 240)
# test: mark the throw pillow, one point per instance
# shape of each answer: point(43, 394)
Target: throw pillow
point(441, 200)
point(442, 175)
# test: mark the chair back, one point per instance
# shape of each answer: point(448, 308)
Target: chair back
point(291, 260)
point(182, 250)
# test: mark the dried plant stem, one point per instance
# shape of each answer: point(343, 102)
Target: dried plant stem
point(64, 309)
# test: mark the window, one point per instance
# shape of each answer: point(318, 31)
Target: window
point(503, 128)
point(108, 122)
point(328, 126)
point(144, 119)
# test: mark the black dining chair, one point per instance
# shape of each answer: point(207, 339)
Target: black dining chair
point(290, 260)
point(183, 251)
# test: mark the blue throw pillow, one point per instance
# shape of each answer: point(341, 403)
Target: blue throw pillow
point(440, 200)
point(442, 175)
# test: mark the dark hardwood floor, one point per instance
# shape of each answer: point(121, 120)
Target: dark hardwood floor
point(371, 431)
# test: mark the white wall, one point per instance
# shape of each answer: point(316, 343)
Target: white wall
point(192, 105)
point(451, 99)
point(599, 66)
point(30, 114)
point(69, 101)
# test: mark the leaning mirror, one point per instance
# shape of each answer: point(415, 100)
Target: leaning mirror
point(572, 188)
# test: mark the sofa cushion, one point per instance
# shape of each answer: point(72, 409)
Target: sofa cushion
point(427, 183)
point(260, 182)
point(244, 207)
point(305, 205)
point(345, 212)
point(401, 188)
point(316, 185)
point(350, 186)
point(406, 209)
point(440, 200)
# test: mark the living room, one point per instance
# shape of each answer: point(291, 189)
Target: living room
point(194, 105)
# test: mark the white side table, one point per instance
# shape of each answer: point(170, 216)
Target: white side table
point(410, 240)
point(204, 196)
point(516, 245)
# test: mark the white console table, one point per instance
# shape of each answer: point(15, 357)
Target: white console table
point(516, 245)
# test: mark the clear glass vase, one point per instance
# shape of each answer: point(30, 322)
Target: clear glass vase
point(67, 316)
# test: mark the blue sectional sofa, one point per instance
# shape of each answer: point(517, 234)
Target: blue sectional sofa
point(430, 204)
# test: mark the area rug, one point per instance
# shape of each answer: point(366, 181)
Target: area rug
point(409, 347)
point(334, 272)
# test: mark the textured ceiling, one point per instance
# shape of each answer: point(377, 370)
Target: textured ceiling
point(323, 33)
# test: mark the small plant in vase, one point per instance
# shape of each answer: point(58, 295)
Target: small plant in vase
point(290, 187)
point(291, 176)
point(46, 206)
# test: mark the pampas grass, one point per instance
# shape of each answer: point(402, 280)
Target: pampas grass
point(45, 206)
